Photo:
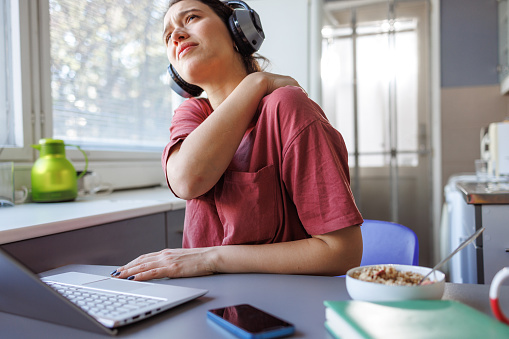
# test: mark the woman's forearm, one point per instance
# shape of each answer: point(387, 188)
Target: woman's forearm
point(206, 153)
point(329, 254)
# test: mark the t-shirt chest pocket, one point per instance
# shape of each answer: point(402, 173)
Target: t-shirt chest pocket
point(248, 205)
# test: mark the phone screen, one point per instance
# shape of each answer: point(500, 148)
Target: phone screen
point(251, 320)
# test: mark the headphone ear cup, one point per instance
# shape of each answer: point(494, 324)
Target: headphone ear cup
point(180, 86)
point(238, 36)
point(246, 28)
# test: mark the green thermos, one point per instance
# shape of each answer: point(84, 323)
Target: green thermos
point(53, 176)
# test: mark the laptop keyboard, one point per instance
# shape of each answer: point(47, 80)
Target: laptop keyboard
point(100, 303)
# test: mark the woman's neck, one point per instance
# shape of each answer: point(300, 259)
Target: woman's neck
point(223, 85)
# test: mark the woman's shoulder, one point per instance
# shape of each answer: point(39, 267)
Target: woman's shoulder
point(193, 107)
point(195, 103)
point(290, 93)
point(293, 99)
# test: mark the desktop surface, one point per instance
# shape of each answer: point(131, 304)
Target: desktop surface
point(297, 299)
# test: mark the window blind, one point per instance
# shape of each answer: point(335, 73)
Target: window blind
point(108, 74)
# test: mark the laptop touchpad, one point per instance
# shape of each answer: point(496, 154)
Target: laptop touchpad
point(116, 285)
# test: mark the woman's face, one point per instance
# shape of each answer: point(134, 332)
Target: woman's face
point(197, 41)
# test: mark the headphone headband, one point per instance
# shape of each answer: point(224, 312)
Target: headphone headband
point(239, 3)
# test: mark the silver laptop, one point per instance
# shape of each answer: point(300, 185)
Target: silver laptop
point(90, 302)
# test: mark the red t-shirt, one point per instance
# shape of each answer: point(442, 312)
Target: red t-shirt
point(289, 178)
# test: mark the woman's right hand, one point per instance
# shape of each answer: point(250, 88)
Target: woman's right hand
point(274, 81)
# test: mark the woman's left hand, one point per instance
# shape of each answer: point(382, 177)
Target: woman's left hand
point(168, 263)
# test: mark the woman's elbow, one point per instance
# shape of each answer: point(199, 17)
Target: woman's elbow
point(347, 245)
point(355, 249)
point(182, 188)
point(355, 260)
point(186, 186)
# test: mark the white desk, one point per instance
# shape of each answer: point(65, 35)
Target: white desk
point(298, 299)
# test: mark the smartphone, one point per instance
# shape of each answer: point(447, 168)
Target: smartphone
point(246, 321)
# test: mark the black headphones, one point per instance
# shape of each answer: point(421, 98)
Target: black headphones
point(246, 29)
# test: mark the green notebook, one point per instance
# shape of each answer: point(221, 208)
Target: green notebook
point(410, 319)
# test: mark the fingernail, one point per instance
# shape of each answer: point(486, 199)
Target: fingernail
point(112, 273)
point(131, 277)
point(117, 274)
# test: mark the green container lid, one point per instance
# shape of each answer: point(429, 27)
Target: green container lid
point(51, 146)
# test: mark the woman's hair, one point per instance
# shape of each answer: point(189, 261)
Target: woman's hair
point(224, 12)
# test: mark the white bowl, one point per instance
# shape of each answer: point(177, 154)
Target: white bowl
point(371, 291)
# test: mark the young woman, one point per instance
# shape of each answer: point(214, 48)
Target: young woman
point(264, 174)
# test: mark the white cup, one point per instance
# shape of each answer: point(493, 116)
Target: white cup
point(91, 184)
point(21, 195)
point(498, 279)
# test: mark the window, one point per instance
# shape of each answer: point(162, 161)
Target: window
point(7, 137)
point(108, 74)
point(92, 73)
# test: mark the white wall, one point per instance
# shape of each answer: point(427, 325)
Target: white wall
point(290, 44)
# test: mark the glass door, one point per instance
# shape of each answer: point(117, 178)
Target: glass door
point(375, 79)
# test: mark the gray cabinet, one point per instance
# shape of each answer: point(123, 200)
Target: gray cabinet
point(114, 243)
point(174, 228)
point(495, 239)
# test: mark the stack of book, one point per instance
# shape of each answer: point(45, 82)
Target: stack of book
point(410, 319)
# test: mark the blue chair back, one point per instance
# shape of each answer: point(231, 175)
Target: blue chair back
point(388, 243)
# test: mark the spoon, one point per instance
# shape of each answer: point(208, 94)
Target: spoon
point(460, 247)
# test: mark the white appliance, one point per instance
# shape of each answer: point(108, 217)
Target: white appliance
point(458, 223)
point(495, 147)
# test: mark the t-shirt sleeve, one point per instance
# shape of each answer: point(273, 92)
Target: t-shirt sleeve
point(316, 175)
point(189, 115)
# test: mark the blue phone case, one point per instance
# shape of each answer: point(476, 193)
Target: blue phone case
point(275, 333)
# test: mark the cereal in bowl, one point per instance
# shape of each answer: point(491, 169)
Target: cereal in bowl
point(388, 275)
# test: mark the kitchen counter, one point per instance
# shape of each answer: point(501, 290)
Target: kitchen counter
point(32, 220)
point(485, 192)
